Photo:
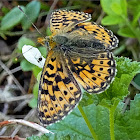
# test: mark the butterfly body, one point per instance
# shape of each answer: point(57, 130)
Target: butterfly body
point(79, 55)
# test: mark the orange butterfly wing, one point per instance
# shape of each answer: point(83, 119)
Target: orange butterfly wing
point(59, 92)
point(63, 20)
point(93, 71)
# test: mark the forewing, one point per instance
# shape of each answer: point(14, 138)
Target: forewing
point(90, 34)
point(94, 72)
point(59, 92)
point(63, 20)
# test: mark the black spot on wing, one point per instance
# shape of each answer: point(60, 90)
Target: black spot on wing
point(56, 88)
point(75, 20)
point(47, 81)
point(53, 59)
point(65, 92)
point(60, 69)
point(50, 66)
point(58, 79)
point(49, 75)
point(66, 80)
point(44, 91)
point(53, 97)
point(60, 98)
point(41, 114)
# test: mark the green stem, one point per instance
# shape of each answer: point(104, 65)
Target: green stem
point(87, 122)
point(111, 117)
point(13, 33)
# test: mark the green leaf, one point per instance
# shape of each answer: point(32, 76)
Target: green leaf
point(39, 76)
point(127, 124)
point(127, 66)
point(4, 9)
point(44, 137)
point(12, 18)
point(137, 80)
point(112, 20)
point(48, 31)
point(116, 8)
point(123, 4)
point(24, 41)
point(36, 71)
point(134, 8)
point(26, 66)
point(43, 51)
point(1, 18)
point(126, 32)
point(32, 10)
point(136, 18)
point(35, 90)
point(88, 99)
point(75, 126)
point(33, 103)
point(45, 6)
point(106, 5)
point(126, 70)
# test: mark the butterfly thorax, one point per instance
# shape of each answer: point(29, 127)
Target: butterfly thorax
point(60, 39)
point(76, 42)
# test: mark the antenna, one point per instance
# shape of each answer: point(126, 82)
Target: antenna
point(29, 20)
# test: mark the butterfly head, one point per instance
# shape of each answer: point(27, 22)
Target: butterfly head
point(46, 41)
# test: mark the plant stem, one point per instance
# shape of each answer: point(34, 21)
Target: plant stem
point(14, 33)
point(87, 122)
point(111, 117)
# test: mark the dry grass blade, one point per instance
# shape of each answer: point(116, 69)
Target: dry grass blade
point(15, 80)
point(27, 123)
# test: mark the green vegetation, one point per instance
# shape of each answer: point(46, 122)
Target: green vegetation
point(104, 116)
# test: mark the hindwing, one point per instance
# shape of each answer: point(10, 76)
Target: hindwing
point(94, 72)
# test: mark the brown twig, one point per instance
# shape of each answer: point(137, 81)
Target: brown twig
point(50, 10)
point(11, 138)
point(14, 99)
point(98, 21)
point(31, 112)
point(21, 105)
point(125, 105)
point(4, 73)
point(14, 79)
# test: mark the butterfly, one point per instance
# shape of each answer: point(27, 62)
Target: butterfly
point(79, 56)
